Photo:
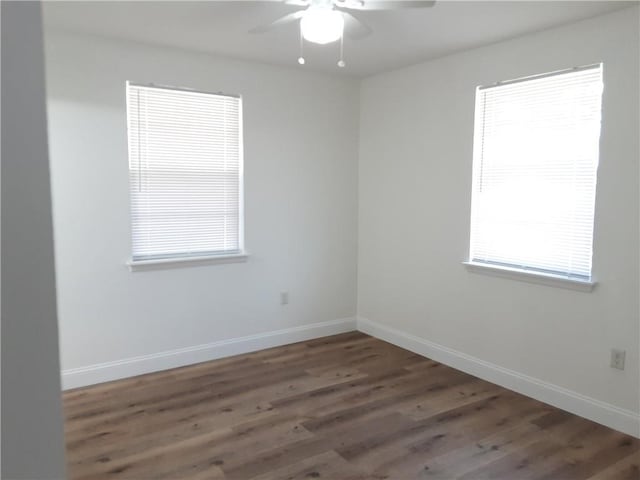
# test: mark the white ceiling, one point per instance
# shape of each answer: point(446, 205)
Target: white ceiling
point(400, 37)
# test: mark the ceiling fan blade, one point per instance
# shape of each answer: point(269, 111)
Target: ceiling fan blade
point(384, 4)
point(354, 27)
point(292, 17)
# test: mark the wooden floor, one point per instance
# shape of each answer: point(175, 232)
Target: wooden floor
point(342, 407)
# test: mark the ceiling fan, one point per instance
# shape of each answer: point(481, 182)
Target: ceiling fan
point(327, 21)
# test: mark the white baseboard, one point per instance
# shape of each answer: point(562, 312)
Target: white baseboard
point(129, 367)
point(604, 413)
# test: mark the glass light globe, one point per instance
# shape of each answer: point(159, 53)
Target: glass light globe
point(322, 25)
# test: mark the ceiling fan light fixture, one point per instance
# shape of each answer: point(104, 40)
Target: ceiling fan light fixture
point(322, 25)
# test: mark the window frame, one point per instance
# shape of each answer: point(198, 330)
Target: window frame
point(523, 272)
point(185, 259)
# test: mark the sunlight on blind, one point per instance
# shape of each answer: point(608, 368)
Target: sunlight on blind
point(536, 151)
point(185, 172)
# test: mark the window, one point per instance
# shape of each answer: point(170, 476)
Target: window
point(185, 173)
point(534, 173)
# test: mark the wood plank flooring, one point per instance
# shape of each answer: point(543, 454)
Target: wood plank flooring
point(341, 407)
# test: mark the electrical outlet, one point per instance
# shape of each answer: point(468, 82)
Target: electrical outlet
point(617, 358)
point(284, 298)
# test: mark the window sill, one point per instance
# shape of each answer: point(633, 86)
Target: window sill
point(162, 263)
point(530, 277)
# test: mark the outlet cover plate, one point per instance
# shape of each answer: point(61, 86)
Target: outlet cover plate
point(617, 358)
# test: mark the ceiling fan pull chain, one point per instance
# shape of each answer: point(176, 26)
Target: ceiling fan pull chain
point(341, 63)
point(301, 57)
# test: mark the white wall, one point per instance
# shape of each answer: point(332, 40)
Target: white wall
point(32, 442)
point(300, 134)
point(416, 136)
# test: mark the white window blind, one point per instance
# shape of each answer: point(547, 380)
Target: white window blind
point(536, 152)
point(185, 172)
